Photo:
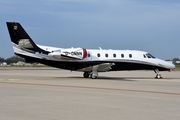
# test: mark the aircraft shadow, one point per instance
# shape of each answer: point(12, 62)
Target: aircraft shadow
point(106, 78)
point(121, 78)
point(115, 78)
point(134, 78)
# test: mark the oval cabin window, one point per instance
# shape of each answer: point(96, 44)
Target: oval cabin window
point(114, 55)
point(122, 55)
point(98, 55)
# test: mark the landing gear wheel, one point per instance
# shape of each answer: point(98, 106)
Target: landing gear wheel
point(158, 76)
point(86, 74)
point(93, 76)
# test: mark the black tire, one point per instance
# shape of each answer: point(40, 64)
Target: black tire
point(86, 74)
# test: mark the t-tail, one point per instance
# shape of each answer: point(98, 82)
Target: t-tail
point(21, 40)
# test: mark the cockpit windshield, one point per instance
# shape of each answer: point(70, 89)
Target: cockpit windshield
point(150, 56)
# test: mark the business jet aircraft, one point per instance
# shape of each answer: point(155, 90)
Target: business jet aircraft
point(89, 61)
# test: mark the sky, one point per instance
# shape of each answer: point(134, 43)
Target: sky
point(146, 25)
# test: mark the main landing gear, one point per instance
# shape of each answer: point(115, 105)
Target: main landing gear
point(92, 74)
point(86, 74)
point(158, 75)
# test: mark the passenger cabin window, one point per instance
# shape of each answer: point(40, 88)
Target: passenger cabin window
point(98, 55)
point(89, 55)
point(114, 55)
point(130, 55)
point(122, 55)
point(106, 55)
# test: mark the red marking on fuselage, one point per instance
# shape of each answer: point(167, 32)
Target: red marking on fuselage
point(84, 53)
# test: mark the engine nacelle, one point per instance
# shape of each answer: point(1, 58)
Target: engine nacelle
point(55, 54)
point(73, 53)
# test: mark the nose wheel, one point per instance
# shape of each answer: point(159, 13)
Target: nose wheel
point(158, 75)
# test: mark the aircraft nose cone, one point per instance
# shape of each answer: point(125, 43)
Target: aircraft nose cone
point(170, 65)
point(166, 64)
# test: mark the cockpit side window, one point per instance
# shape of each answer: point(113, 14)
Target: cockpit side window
point(150, 56)
point(144, 55)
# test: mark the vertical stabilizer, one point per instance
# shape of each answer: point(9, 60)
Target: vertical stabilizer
point(20, 37)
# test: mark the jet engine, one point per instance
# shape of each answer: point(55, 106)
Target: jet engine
point(70, 54)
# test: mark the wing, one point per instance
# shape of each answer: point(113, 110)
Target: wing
point(102, 67)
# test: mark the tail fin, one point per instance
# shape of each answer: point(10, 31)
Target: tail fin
point(19, 37)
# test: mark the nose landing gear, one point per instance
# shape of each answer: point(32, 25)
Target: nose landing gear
point(158, 75)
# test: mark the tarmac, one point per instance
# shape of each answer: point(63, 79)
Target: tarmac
point(45, 93)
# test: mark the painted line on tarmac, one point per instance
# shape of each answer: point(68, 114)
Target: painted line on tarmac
point(97, 88)
point(13, 79)
point(9, 79)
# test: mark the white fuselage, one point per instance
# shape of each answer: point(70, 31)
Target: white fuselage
point(110, 55)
